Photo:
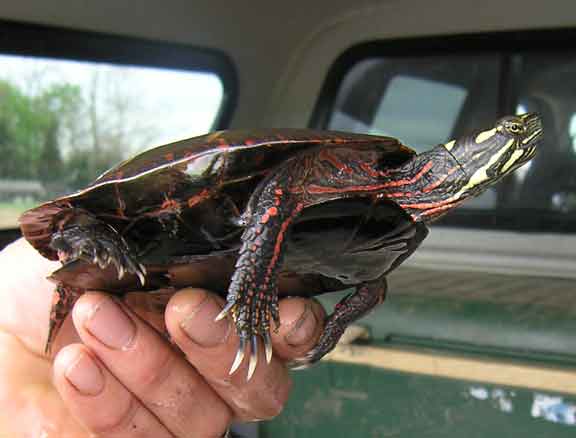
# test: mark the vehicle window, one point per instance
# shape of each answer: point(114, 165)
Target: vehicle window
point(400, 107)
point(547, 84)
point(62, 123)
point(429, 99)
point(420, 100)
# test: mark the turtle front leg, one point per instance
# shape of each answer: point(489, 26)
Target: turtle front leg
point(351, 308)
point(252, 299)
point(97, 243)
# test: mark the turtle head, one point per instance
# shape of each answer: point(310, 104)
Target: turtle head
point(486, 156)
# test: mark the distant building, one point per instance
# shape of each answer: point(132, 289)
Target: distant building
point(13, 189)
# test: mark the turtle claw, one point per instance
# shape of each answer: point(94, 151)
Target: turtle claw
point(251, 324)
point(141, 278)
point(267, 347)
point(100, 245)
point(225, 311)
point(120, 272)
point(241, 353)
point(253, 357)
point(239, 356)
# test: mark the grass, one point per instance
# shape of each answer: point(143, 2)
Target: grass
point(11, 211)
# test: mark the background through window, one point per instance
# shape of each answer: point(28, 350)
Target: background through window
point(62, 123)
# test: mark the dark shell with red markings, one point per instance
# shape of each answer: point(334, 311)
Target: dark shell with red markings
point(207, 182)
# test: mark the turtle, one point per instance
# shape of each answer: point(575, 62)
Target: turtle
point(334, 210)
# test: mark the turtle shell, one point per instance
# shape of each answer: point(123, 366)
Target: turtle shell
point(207, 180)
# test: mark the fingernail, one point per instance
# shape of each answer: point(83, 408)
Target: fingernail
point(200, 327)
point(303, 329)
point(85, 375)
point(110, 325)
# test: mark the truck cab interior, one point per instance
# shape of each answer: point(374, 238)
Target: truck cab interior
point(476, 336)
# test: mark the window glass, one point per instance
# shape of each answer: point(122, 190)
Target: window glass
point(547, 85)
point(400, 111)
point(62, 123)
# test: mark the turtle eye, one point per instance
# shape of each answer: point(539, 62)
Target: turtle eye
point(515, 127)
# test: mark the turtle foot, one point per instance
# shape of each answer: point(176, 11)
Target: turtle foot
point(330, 336)
point(252, 319)
point(349, 309)
point(100, 245)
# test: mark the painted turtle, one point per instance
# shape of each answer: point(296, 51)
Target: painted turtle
point(332, 209)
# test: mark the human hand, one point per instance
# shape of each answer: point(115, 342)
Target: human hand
point(124, 379)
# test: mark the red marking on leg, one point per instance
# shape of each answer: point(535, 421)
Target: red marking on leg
point(196, 199)
point(272, 211)
point(170, 204)
point(280, 238)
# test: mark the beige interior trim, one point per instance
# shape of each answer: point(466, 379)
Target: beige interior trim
point(542, 378)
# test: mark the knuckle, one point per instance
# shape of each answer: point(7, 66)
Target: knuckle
point(158, 370)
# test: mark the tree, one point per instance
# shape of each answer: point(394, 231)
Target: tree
point(65, 135)
point(29, 129)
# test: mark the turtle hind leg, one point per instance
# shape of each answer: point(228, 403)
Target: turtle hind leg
point(63, 300)
point(97, 243)
point(349, 309)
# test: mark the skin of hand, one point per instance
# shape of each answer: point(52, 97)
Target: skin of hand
point(114, 375)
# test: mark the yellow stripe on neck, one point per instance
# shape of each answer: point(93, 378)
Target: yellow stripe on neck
point(450, 145)
point(481, 174)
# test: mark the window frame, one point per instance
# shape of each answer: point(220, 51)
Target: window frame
point(503, 44)
point(26, 39)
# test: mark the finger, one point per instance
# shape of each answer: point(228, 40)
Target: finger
point(301, 324)
point(98, 400)
point(149, 367)
point(211, 347)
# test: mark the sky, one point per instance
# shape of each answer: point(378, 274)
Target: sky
point(177, 104)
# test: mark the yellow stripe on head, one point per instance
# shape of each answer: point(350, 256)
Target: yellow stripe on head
point(512, 160)
point(481, 174)
point(485, 135)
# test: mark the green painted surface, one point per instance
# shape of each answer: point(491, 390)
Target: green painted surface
point(335, 400)
point(527, 320)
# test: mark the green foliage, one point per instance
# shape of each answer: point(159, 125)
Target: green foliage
point(29, 129)
point(56, 136)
